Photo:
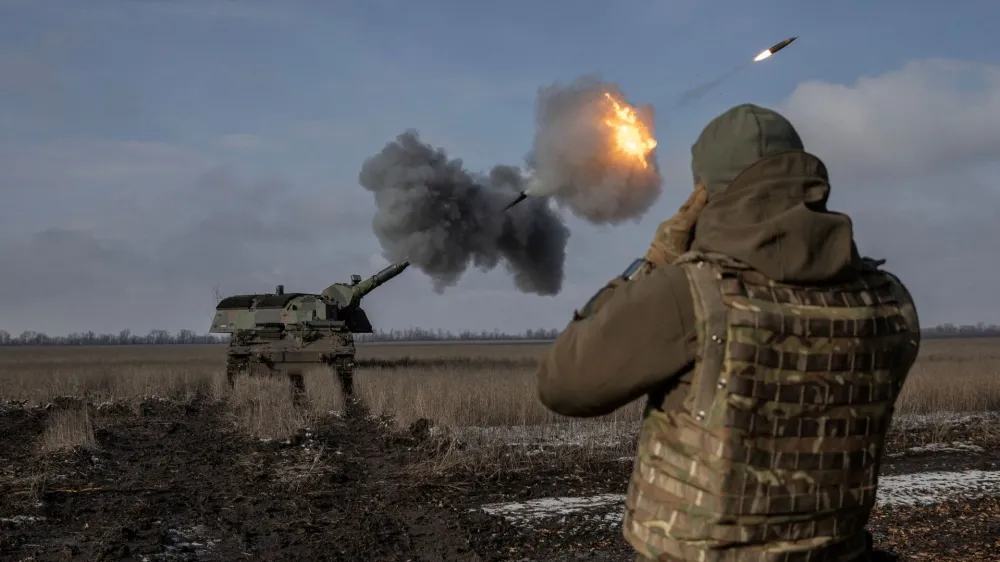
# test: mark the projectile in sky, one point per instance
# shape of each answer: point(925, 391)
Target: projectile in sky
point(774, 49)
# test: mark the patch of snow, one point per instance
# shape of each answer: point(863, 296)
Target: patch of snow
point(185, 544)
point(595, 434)
point(604, 509)
point(552, 506)
point(609, 434)
point(20, 520)
point(938, 419)
point(903, 489)
point(953, 447)
point(924, 488)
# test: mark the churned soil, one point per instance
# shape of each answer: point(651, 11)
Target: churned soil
point(170, 481)
point(178, 482)
point(950, 530)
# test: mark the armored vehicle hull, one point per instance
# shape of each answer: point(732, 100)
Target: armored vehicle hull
point(289, 334)
point(278, 352)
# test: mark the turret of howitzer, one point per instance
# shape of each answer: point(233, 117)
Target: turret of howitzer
point(347, 296)
point(339, 303)
point(280, 332)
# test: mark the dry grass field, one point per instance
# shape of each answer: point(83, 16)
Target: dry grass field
point(76, 411)
point(463, 385)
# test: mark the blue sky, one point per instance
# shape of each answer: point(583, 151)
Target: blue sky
point(153, 149)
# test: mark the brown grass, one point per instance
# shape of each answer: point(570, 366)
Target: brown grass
point(953, 376)
point(950, 375)
point(100, 374)
point(492, 417)
point(264, 407)
point(497, 396)
point(107, 385)
point(322, 392)
point(478, 391)
point(268, 408)
point(67, 430)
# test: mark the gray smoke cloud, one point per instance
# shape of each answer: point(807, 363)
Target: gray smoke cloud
point(444, 218)
point(575, 158)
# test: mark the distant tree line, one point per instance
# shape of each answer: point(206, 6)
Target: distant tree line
point(187, 337)
point(124, 337)
point(421, 334)
point(979, 330)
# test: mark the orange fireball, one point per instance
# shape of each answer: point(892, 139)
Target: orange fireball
point(632, 138)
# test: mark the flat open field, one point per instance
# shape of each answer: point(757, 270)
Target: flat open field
point(145, 453)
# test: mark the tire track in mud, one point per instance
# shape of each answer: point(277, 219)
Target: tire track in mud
point(179, 482)
point(412, 518)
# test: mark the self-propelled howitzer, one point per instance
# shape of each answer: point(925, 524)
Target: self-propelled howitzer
point(290, 333)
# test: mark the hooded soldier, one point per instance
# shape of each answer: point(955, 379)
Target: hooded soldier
point(770, 352)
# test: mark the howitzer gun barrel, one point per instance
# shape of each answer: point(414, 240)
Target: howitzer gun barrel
point(520, 197)
point(375, 281)
point(348, 295)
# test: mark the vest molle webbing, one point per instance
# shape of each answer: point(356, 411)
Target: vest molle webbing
point(775, 456)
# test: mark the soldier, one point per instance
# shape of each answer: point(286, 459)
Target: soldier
point(770, 352)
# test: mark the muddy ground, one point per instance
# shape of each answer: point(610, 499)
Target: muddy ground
point(178, 482)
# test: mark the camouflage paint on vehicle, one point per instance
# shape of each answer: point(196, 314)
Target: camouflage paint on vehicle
point(288, 333)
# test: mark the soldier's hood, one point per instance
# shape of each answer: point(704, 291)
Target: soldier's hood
point(767, 200)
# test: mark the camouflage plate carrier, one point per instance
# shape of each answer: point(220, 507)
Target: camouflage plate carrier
point(288, 333)
point(775, 454)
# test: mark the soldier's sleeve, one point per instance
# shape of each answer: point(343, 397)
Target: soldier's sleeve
point(909, 311)
point(629, 338)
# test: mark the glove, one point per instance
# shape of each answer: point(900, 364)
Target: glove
point(673, 234)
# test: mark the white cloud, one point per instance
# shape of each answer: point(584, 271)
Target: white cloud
point(914, 157)
point(930, 116)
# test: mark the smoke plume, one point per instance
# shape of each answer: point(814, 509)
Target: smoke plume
point(593, 153)
point(576, 159)
point(444, 218)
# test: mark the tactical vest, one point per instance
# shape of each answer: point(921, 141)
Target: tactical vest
point(775, 455)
